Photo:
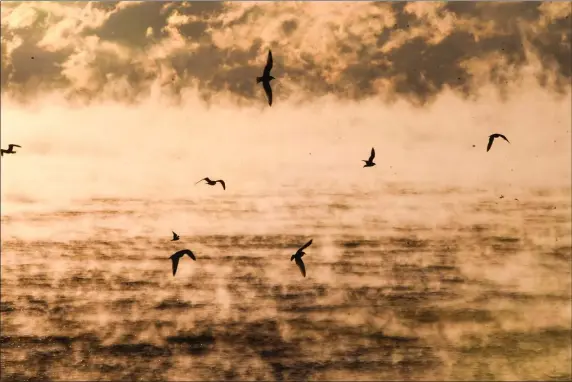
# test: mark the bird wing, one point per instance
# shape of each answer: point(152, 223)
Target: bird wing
point(372, 154)
point(300, 265)
point(191, 254)
point(503, 137)
point(269, 63)
point(175, 261)
point(268, 90)
point(174, 235)
point(491, 139)
point(201, 180)
point(13, 145)
point(222, 183)
point(305, 246)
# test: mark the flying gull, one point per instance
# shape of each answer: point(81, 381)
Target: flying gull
point(492, 138)
point(177, 256)
point(213, 182)
point(266, 78)
point(369, 162)
point(175, 236)
point(298, 256)
point(10, 149)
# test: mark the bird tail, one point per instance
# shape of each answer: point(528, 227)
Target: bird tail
point(258, 80)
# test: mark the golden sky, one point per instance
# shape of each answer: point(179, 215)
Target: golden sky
point(156, 95)
point(353, 50)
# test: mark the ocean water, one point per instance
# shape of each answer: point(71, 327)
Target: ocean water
point(407, 282)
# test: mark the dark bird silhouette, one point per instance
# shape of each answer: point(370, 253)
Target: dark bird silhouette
point(369, 162)
point(10, 149)
point(492, 138)
point(175, 236)
point(266, 78)
point(213, 182)
point(177, 256)
point(501, 197)
point(298, 256)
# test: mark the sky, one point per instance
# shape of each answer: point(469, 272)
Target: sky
point(134, 99)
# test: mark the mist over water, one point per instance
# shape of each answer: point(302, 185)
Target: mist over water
point(417, 271)
point(406, 282)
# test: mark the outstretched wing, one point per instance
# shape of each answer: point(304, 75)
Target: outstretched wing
point(491, 139)
point(13, 145)
point(503, 137)
point(222, 184)
point(305, 246)
point(269, 63)
point(300, 265)
point(372, 155)
point(191, 254)
point(174, 235)
point(201, 180)
point(268, 90)
point(175, 261)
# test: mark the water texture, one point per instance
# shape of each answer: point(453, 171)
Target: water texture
point(406, 283)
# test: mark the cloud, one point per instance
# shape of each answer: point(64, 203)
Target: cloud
point(353, 50)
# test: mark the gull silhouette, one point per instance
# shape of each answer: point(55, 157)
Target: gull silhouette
point(10, 149)
point(492, 138)
point(266, 78)
point(213, 182)
point(175, 236)
point(369, 162)
point(298, 256)
point(177, 256)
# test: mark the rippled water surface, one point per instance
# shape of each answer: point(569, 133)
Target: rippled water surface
point(407, 283)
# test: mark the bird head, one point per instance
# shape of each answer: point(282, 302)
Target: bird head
point(293, 257)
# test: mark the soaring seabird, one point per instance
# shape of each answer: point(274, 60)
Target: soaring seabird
point(266, 78)
point(492, 138)
point(177, 256)
point(213, 182)
point(10, 149)
point(298, 256)
point(369, 162)
point(175, 236)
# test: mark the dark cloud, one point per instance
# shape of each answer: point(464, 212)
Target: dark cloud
point(414, 66)
point(289, 26)
point(29, 69)
point(554, 50)
point(129, 25)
